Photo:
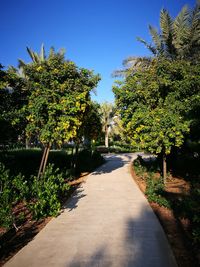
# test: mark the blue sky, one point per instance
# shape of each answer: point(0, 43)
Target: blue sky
point(97, 34)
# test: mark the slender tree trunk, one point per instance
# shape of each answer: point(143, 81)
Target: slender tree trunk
point(164, 168)
point(75, 156)
point(106, 137)
point(27, 143)
point(44, 160)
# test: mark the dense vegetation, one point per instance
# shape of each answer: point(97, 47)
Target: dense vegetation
point(43, 197)
point(184, 205)
point(158, 98)
point(44, 104)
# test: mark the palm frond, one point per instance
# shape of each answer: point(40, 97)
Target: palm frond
point(131, 65)
point(21, 63)
point(165, 25)
point(156, 38)
point(181, 29)
point(195, 24)
point(31, 53)
point(62, 51)
point(42, 53)
point(118, 73)
point(150, 47)
point(52, 51)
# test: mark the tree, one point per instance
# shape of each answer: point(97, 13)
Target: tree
point(155, 104)
point(178, 38)
point(59, 98)
point(13, 98)
point(91, 127)
point(106, 111)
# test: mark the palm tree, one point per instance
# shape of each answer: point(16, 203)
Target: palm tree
point(178, 38)
point(40, 57)
point(106, 111)
point(131, 65)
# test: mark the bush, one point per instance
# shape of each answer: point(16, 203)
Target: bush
point(154, 187)
point(12, 189)
point(155, 192)
point(139, 167)
point(47, 192)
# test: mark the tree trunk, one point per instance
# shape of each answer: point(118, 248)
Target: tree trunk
point(76, 156)
point(106, 138)
point(44, 160)
point(27, 143)
point(164, 168)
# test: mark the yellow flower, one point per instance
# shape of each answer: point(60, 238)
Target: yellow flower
point(39, 68)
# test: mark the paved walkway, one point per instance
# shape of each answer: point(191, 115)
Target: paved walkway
point(107, 223)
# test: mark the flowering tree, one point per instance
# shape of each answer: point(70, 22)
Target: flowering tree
point(60, 94)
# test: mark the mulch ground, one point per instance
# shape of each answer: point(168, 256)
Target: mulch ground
point(176, 229)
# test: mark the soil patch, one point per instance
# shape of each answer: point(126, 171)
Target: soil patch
point(176, 229)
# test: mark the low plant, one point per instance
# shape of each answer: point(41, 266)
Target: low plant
point(12, 190)
point(139, 167)
point(47, 192)
point(155, 192)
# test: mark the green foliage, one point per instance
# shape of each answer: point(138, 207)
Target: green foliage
point(12, 189)
point(155, 190)
point(155, 104)
point(47, 192)
point(154, 186)
point(91, 127)
point(13, 97)
point(139, 168)
point(59, 98)
point(178, 37)
point(6, 198)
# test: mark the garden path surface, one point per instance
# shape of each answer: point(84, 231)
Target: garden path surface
point(106, 223)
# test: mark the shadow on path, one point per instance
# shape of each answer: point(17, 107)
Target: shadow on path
point(72, 203)
point(113, 162)
point(143, 244)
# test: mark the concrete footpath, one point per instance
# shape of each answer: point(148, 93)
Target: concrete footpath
point(106, 223)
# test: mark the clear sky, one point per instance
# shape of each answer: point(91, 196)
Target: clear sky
point(97, 34)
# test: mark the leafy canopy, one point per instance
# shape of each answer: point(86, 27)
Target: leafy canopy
point(155, 104)
point(59, 98)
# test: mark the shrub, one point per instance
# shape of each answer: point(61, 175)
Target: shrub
point(155, 192)
point(139, 167)
point(12, 189)
point(47, 193)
